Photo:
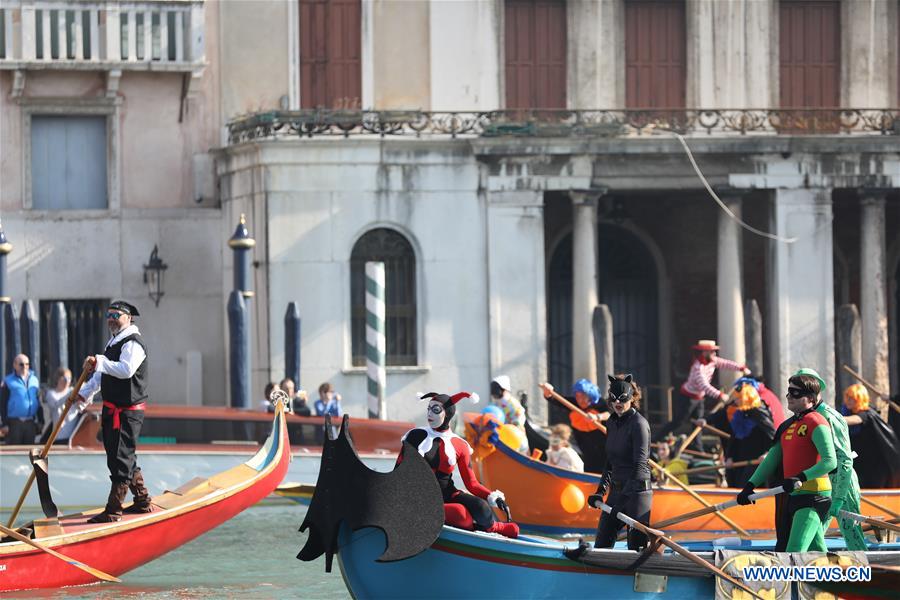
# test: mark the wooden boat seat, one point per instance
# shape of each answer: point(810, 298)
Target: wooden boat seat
point(47, 528)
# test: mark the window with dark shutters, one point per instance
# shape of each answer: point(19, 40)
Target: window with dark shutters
point(810, 53)
point(655, 54)
point(392, 248)
point(330, 54)
point(535, 45)
point(86, 333)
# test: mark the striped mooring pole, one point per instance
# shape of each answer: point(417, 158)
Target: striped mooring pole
point(376, 375)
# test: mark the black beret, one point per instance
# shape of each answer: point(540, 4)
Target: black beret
point(121, 305)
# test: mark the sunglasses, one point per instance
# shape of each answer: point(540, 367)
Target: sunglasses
point(797, 393)
point(114, 315)
point(436, 409)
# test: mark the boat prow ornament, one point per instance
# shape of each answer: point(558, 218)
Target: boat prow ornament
point(406, 503)
point(282, 397)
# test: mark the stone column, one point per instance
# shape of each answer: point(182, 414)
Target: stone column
point(584, 283)
point(873, 295)
point(729, 288)
point(801, 287)
point(849, 346)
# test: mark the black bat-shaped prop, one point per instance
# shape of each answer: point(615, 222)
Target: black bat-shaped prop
point(406, 504)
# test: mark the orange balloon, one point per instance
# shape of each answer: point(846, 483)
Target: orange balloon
point(572, 499)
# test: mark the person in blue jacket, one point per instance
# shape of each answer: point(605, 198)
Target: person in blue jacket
point(329, 402)
point(20, 408)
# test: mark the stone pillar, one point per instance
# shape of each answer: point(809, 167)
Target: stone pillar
point(603, 343)
point(517, 306)
point(595, 54)
point(729, 289)
point(753, 339)
point(873, 295)
point(849, 347)
point(584, 283)
point(801, 287)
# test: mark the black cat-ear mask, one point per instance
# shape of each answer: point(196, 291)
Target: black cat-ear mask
point(620, 390)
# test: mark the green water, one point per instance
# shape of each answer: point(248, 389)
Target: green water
point(250, 556)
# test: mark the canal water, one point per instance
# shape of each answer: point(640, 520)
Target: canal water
point(252, 556)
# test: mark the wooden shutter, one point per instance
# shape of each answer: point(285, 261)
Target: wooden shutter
point(810, 51)
point(535, 54)
point(330, 51)
point(655, 54)
point(68, 162)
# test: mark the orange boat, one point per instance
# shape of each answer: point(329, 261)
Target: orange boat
point(540, 494)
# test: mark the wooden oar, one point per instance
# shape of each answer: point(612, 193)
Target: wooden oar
point(880, 507)
point(661, 536)
point(699, 454)
point(46, 449)
point(722, 434)
point(718, 507)
point(740, 530)
point(740, 463)
point(877, 523)
point(573, 408)
point(873, 389)
point(687, 441)
point(95, 572)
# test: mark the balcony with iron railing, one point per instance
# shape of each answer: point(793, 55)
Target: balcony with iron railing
point(153, 35)
point(566, 123)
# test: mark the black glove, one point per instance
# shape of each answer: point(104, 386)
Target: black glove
point(603, 486)
point(743, 498)
point(790, 483)
point(615, 510)
point(594, 500)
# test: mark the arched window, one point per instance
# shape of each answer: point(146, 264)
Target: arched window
point(395, 251)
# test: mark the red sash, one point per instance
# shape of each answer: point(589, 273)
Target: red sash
point(117, 410)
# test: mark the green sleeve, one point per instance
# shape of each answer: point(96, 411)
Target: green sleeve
point(825, 445)
point(767, 466)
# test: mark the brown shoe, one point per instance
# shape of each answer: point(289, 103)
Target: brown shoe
point(141, 495)
point(113, 510)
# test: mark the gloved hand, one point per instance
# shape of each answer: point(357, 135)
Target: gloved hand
point(743, 498)
point(835, 510)
point(594, 500)
point(494, 496)
point(603, 486)
point(616, 510)
point(791, 483)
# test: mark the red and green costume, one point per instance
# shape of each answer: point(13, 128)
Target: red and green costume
point(804, 447)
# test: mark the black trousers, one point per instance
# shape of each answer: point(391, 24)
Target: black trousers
point(481, 512)
point(636, 506)
point(683, 410)
point(21, 431)
point(121, 444)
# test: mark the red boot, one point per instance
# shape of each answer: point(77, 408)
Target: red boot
point(510, 530)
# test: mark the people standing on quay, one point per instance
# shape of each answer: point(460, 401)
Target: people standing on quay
point(121, 375)
point(298, 400)
point(627, 473)
point(20, 408)
point(698, 386)
point(329, 402)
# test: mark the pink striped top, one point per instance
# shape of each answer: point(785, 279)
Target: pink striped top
point(698, 382)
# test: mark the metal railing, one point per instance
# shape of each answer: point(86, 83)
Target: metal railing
point(564, 123)
point(163, 34)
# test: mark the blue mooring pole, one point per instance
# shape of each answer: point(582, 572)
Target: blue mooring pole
point(30, 326)
point(292, 343)
point(239, 346)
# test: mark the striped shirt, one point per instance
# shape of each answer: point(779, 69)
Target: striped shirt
point(698, 382)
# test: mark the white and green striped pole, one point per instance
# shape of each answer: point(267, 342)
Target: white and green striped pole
point(376, 375)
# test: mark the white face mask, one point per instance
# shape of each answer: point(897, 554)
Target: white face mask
point(435, 414)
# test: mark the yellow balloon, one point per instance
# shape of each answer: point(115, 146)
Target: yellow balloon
point(511, 436)
point(572, 498)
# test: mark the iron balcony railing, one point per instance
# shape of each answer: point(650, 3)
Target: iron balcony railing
point(564, 123)
point(85, 34)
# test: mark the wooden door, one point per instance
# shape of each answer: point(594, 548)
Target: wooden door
point(330, 54)
point(810, 53)
point(655, 54)
point(535, 54)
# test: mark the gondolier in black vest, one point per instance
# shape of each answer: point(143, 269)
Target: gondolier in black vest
point(120, 374)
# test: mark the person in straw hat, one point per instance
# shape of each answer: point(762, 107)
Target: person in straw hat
point(698, 386)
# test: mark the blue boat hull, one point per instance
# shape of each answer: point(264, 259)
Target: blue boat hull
point(462, 564)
